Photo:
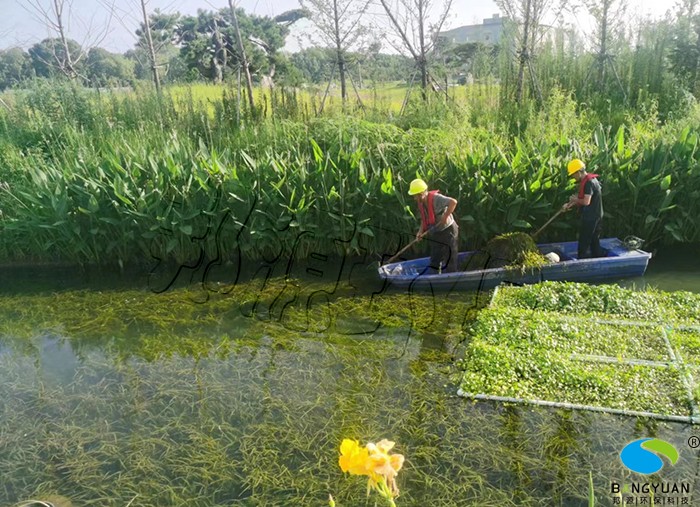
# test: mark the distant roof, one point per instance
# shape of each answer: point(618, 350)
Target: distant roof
point(488, 32)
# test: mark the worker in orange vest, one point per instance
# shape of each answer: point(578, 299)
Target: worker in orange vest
point(589, 201)
point(438, 224)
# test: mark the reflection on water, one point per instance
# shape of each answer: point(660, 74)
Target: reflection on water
point(675, 268)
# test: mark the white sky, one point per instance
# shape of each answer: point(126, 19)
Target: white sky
point(18, 27)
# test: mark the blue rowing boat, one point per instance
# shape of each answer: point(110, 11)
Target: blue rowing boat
point(622, 261)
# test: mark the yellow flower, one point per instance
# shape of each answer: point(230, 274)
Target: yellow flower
point(383, 465)
point(353, 458)
point(376, 463)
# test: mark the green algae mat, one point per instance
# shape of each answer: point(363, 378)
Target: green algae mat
point(601, 348)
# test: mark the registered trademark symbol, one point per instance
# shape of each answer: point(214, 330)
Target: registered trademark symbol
point(694, 442)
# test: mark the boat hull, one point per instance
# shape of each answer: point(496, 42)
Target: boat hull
point(620, 262)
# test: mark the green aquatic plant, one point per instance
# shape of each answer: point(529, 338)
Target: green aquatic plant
point(515, 250)
point(578, 299)
point(574, 343)
point(127, 397)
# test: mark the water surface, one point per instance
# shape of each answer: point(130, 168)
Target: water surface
point(115, 396)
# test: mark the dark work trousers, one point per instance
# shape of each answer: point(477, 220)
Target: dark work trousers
point(589, 239)
point(443, 249)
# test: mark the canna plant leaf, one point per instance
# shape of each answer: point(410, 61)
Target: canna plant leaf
point(666, 183)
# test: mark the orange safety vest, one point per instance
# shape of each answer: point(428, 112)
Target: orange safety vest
point(427, 219)
point(582, 184)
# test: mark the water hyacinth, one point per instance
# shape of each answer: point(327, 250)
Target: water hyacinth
point(375, 462)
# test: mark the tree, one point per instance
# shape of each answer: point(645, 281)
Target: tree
point(15, 67)
point(410, 19)
point(164, 25)
point(203, 46)
point(49, 58)
point(242, 55)
point(314, 63)
point(608, 17)
point(472, 57)
point(208, 42)
point(268, 35)
point(528, 16)
point(338, 23)
point(153, 35)
point(684, 57)
point(171, 66)
point(63, 54)
point(287, 73)
point(108, 69)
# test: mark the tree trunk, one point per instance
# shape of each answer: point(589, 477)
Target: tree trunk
point(696, 70)
point(523, 55)
point(151, 49)
point(66, 65)
point(244, 59)
point(423, 63)
point(339, 53)
point(603, 56)
point(219, 60)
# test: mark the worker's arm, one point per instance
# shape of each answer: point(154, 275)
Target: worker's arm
point(451, 205)
point(575, 201)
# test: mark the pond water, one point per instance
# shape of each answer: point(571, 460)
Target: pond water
point(112, 394)
point(675, 268)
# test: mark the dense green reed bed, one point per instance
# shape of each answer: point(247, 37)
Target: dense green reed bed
point(122, 178)
point(592, 345)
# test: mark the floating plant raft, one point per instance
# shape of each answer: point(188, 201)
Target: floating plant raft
point(601, 348)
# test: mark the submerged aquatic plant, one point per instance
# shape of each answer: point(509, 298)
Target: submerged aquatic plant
point(376, 463)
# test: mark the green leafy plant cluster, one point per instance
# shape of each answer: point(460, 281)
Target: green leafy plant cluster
point(590, 345)
point(611, 301)
point(125, 177)
point(514, 250)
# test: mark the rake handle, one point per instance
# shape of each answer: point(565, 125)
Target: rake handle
point(538, 231)
point(392, 259)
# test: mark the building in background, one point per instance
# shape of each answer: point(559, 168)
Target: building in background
point(490, 32)
point(470, 51)
point(496, 28)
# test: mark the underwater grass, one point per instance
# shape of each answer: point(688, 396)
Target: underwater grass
point(183, 431)
point(130, 397)
point(180, 320)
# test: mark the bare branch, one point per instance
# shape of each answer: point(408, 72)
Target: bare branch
point(57, 18)
point(338, 23)
point(400, 29)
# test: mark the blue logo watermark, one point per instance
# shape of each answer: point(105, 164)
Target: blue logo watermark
point(642, 456)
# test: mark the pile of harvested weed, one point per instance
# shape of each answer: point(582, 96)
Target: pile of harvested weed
point(513, 250)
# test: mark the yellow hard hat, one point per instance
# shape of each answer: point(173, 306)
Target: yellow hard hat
point(418, 186)
point(575, 166)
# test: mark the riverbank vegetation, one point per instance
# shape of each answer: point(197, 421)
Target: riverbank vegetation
point(225, 172)
point(123, 177)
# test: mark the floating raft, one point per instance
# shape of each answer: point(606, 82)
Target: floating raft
point(598, 348)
